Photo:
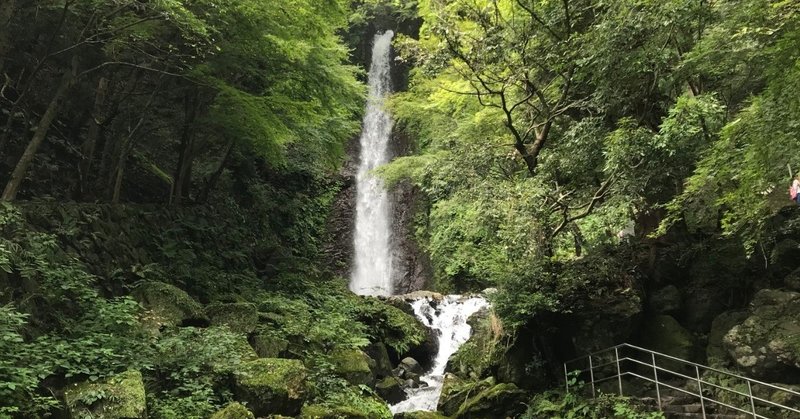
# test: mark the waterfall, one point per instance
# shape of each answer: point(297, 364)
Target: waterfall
point(448, 318)
point(373, 262)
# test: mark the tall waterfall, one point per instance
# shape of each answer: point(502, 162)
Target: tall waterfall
point(373, 261)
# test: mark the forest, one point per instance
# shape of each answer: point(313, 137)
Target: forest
point(179, 198)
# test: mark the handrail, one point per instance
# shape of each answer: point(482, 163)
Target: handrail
point(618, 361)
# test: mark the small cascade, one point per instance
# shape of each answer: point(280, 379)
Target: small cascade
point(448, 318)
point(373, 257)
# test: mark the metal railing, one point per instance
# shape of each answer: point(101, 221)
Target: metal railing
point(711, 386)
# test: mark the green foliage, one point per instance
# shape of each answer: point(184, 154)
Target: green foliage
point(572, 406)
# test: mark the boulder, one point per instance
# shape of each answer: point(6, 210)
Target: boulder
point(353, 365)
point(271, 385)
point(499, 401)
point(792, 281)
point(240, 317)
point(701, 306)
point(410, 365)
point(233, 411)
point(383, 364)
point(267, 346)
point(390, 389)
point(667, 300)
point(664, 334)
point(169, 305)
point(766, 344)
point(419, 415)
point(119, 397)
point(455, 392)
point(716, 355)
point(359, 407)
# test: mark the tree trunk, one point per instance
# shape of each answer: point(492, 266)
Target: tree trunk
point(577, 236)
point(45, 122)
point(90, 144)
point(212, 181)
point(183, 173)
point(119, 173)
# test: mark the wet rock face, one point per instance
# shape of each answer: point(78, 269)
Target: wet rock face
point(767, 344)
point(666, 300)
point(412, 271)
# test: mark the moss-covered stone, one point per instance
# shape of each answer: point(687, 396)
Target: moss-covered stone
point(349, 408)
point(353, 365)
point(419, 415)
point(233, 411)
point(119, 397)
point(240, 317)
point(383, 364)
point(267, 346)
point(271, 385)
point(456, 391)
point(664, 334)
point(169, 305)
point(500, 401)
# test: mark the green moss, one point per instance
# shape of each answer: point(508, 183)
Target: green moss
point(353, 365)
point(267, 346)
point(420, 415)
point(271, 385)
point(455, 391)
point(502, 400)
point(233, 411)
point(119, 397)
point(240, 317)
point(170, 305)
point(359, 407)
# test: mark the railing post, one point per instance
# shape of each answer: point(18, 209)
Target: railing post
point(655, 377)
point(566, 377)
point(752, 401)
point(591, 374)
point(619, 372)
point(700, 391)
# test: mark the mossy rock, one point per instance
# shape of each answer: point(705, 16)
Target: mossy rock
point(390, 389)
point(170, 305)
point(353, 365)
point(664, 334)
point(267, 346)
point(271, 385)
point(456, 391)
point(233, 411)
point(240, 317)
point(419, 415)
point(500, 401)
point(352, 408)
point(119, 397)
point(383, 364)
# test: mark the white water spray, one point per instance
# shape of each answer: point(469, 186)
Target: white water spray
point(373, 261)
point(449, 318)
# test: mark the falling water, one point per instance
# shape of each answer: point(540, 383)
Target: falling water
point(373, 263)
point(448, 318)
